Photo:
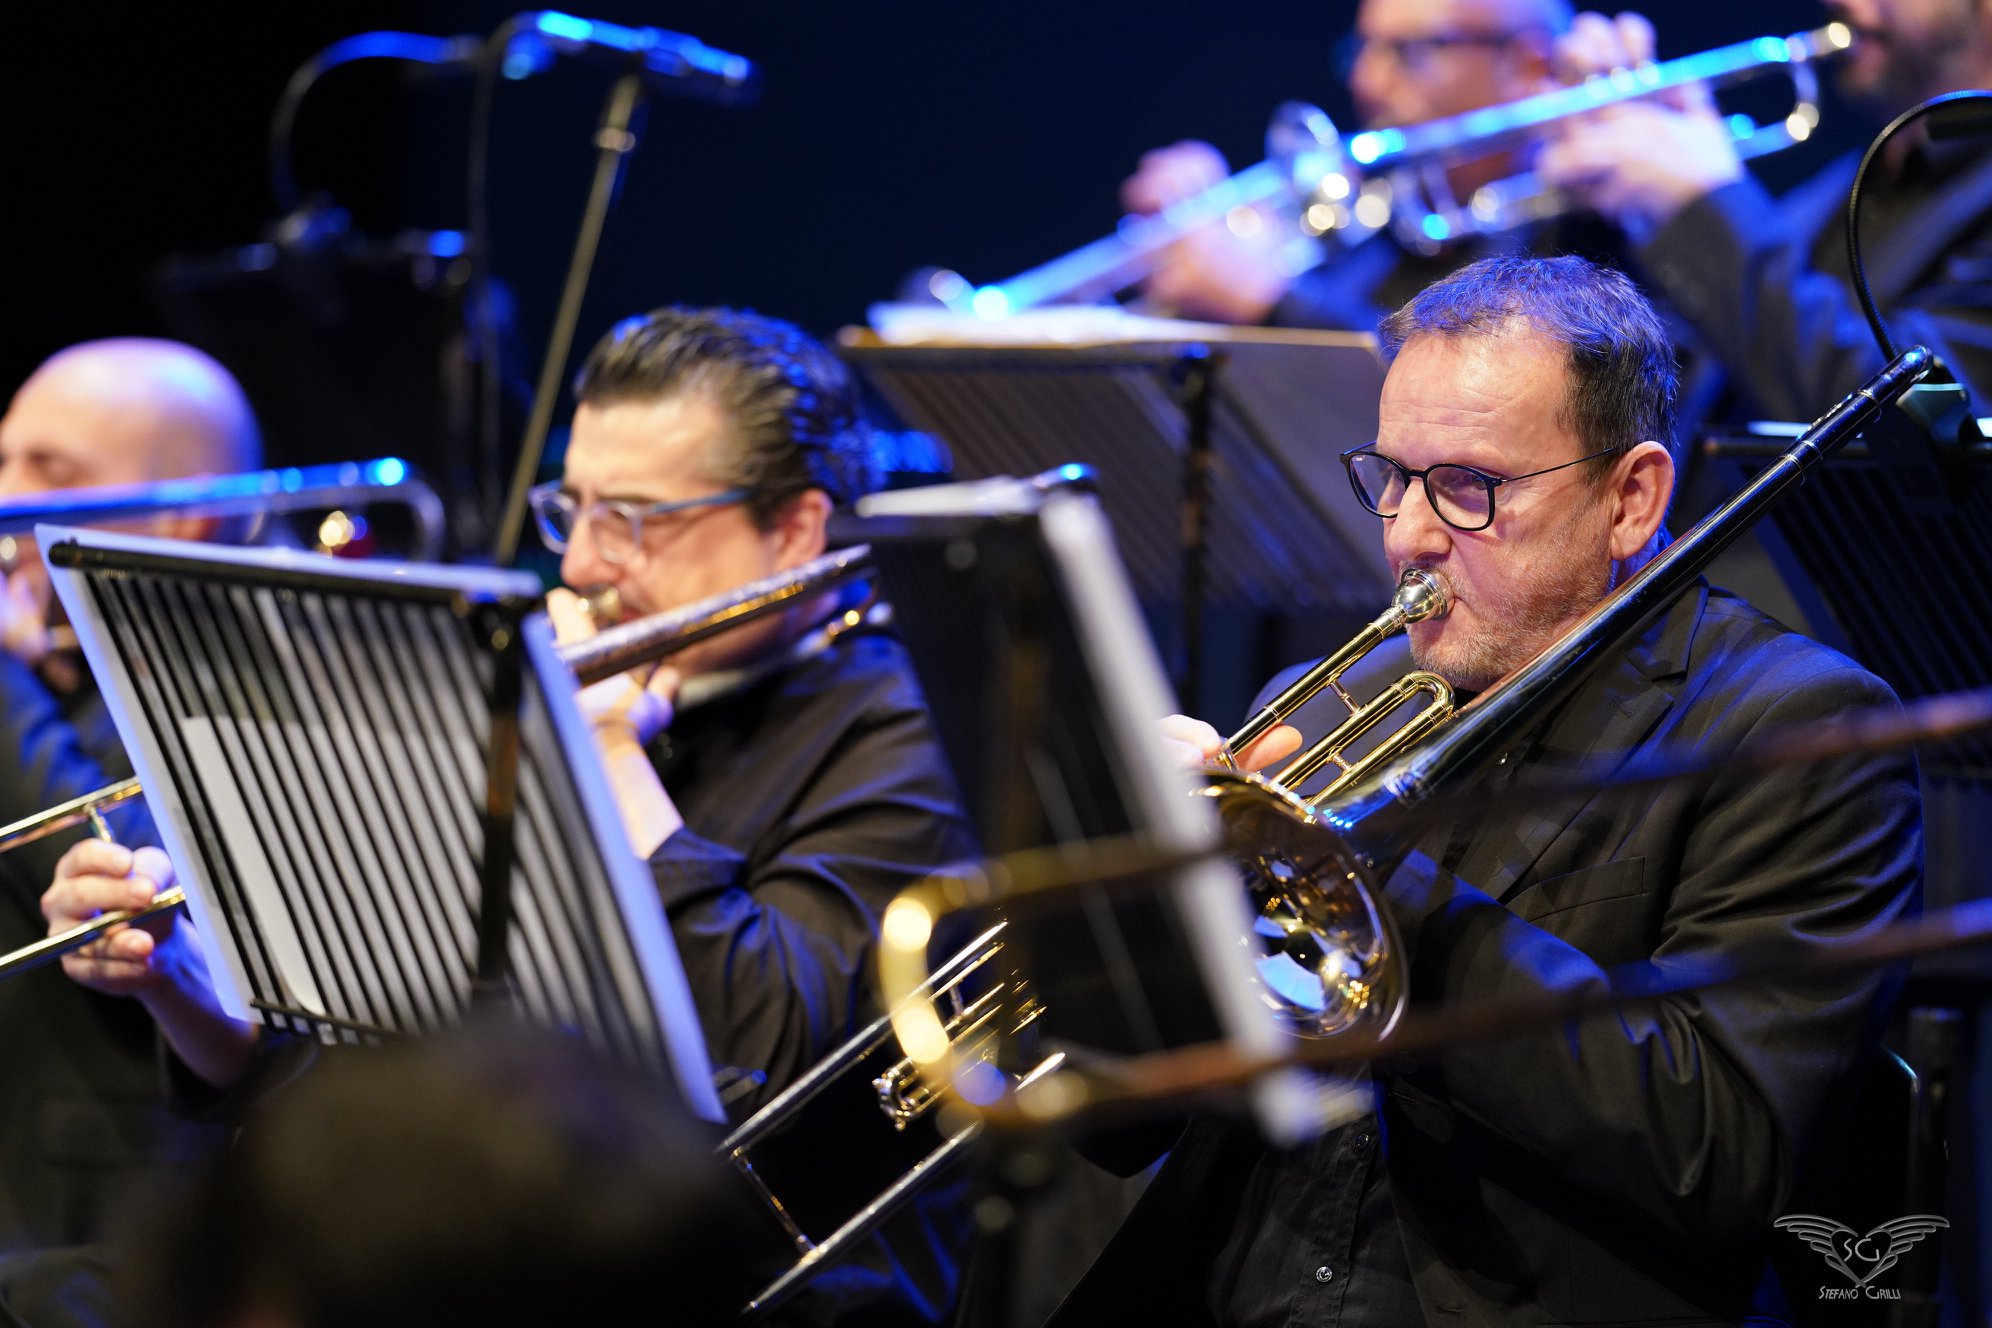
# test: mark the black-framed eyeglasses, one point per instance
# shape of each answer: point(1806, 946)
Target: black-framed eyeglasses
point(1462, 496)
point(614, 524)
point(1415, 53)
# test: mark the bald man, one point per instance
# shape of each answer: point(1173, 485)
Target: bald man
point(1407, 62)
point(122, 411)
point(81, 1090)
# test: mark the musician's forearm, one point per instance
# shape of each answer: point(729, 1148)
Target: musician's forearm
point(649, 816)
point(213, 1044)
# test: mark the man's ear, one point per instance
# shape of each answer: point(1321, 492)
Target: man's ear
point(800, 529)
point(1641, 487)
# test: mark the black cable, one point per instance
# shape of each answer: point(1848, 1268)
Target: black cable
point(410, 46)
point(1895, 126)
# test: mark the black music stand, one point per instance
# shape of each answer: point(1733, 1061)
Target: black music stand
point(1045, 687)
point(1886, 547)
point(316, 740)
point(1216, 449)
point(1893, 579)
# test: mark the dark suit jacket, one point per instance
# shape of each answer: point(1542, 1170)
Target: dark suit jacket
point(1745, 269)
point(82, 1095)
point(1621, 1169)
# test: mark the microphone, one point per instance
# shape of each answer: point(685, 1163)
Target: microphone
point(1927, 438)
point(670, 63)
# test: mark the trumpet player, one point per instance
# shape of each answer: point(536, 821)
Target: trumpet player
point(81, 1107)
point(1765, 282)
point(782, 781)
point(1408, 61)
point(1615, 1169)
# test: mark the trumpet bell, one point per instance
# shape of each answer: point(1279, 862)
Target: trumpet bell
point(1328, 957)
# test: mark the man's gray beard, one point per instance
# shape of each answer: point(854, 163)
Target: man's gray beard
point(1521, 626)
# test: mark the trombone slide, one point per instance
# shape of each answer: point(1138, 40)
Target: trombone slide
point(54, 947)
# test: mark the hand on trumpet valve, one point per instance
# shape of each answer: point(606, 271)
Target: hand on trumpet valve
point(96, 877)
point(1637, 162)
point(1233, 270)
point(1193, 745)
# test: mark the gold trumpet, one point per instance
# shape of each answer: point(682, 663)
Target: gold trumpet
point(1347, 188)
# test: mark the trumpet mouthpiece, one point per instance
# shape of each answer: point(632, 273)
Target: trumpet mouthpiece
point(1421, 594)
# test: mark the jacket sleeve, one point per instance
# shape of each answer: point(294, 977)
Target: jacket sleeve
point(1693, 1109)
point(1793, 338)
point(777, 942)
point(44, 761)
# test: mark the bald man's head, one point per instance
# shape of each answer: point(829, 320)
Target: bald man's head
point(125, 411)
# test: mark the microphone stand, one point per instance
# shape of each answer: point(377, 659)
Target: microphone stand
point(615, 139)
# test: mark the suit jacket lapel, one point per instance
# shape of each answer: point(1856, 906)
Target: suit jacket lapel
point(1611, 714)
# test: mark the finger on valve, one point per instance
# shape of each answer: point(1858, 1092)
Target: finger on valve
point(1273, 746)
point(1193, 744)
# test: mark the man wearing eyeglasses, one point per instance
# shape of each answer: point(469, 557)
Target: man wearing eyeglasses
point(781, 780)
point(1614, 1169)
point(1406, 62)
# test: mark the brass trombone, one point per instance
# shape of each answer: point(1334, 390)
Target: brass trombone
point(1313, 867)
point(613, 651)
point(250, 493)
point(1347, 188)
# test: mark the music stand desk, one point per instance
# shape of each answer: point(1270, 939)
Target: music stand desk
point(311, 737)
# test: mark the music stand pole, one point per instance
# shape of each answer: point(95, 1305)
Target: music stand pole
point(500, 621)
point(1194, 379)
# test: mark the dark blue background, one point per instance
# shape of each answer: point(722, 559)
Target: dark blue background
point(892, 134)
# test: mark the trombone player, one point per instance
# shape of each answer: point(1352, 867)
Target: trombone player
point(81, 1108)
point(782, 781)
point(1615, 1169)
